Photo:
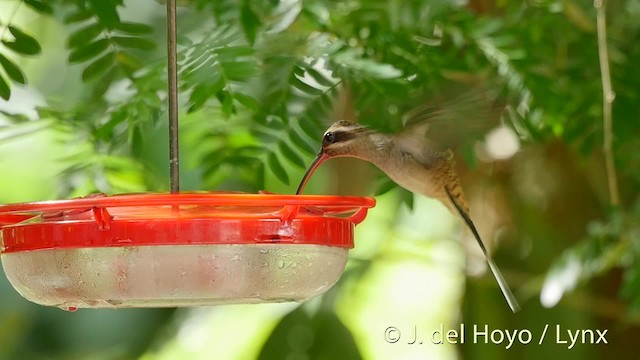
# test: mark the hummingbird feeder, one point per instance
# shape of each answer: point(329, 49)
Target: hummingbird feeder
point(184, 249)
point(178, 248)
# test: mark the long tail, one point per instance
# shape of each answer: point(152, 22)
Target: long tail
point(506, 291)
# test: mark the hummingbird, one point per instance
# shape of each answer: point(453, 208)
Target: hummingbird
point(414, 163)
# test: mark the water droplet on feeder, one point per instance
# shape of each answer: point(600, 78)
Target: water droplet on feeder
point(235, 258)
point(281, 264)
point(67, 308)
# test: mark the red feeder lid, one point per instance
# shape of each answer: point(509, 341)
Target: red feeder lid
point(181, 219)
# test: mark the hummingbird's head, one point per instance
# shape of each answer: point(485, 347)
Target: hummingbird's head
point(342, 138)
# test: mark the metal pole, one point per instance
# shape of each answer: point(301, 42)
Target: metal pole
point(172, 70)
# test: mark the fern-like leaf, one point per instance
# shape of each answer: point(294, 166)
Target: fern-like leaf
point(215, 67)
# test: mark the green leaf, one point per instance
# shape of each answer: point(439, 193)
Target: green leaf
point(248, 101)
point(310, 127)
point(320, 78)
point(298, 70)
point(380, 71)
point(5, 91)
point(276, 167)
point(98, 67)
point(318, 336)
point(406, 197)
point(239, 71)
point(317, 12)
point(134, 28)
point(297, 140)
point(78, 16)
point(134, 42)
point(106, 12)
point(12, 70)
point(202, 92)
point(291, 155)
point(285, 15)
point(40, 6)
point(198, 97)
point(259, 175)
point(250, 23)
point(129, 62)
point(104, 132)
point(84, 35)
point(316, 111)
point(383, 185)
point(304, 87)
point(23, 44)
point(90, 51)
point(226, 100)
point(234, 53)
point(264, 134)
point(369, 67)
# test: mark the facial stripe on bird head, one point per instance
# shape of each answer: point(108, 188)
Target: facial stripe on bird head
point(341, 133)
point(338, 136)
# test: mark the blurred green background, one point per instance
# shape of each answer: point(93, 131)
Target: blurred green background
point(83, 110)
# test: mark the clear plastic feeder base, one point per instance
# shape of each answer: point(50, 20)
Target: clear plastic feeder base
point(168, 276)
point(171, 250)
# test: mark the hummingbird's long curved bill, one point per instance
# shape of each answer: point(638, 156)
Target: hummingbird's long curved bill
point(320, 158)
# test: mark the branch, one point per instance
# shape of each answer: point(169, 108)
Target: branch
point(608, 96)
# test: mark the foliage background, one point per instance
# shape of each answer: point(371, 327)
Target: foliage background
point(83, 88)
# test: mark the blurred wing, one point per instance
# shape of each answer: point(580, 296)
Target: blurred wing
point(448, 124)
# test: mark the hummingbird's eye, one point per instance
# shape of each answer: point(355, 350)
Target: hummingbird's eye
point(329, 138)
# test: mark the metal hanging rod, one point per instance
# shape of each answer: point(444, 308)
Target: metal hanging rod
point(172, 72)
